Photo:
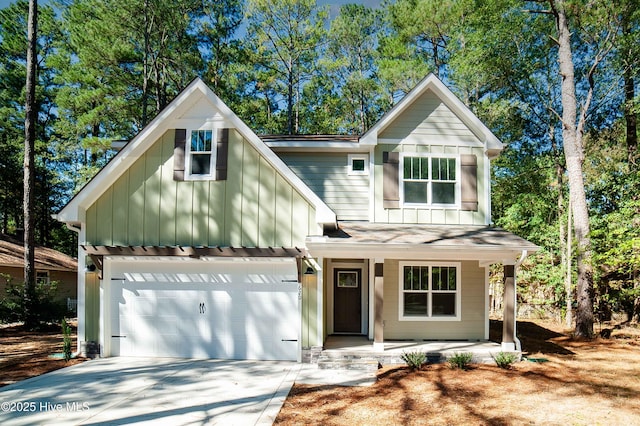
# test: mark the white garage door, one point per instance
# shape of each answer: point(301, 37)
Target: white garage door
point(241, 309)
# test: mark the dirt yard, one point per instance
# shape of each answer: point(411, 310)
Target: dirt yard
point(25, 354)
point(572, 382)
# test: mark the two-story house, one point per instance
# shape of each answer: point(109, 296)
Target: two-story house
point(210, 241)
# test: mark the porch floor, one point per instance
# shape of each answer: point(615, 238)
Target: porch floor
point(342, 348)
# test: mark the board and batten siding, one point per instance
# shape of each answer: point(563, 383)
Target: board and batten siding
point(429, 126)
point(426, 214)
point(309, 306)
point(470, 327)
point(327, 175)
point(254, 207)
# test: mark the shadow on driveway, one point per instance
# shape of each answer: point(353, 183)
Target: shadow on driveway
point(134, 390)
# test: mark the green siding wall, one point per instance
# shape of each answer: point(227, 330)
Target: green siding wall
point(471, 326)
point(310, 332)
point(254, 207)
point(326, 173)
point(428, 117)
point(428, 215)
point(92, 307)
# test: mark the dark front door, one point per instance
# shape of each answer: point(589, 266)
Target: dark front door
point(347, 309)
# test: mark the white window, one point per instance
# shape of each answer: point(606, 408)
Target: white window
point(201, 154)
point(358, 164)
point(429, 180)
point(429, 291)
point(42, 277)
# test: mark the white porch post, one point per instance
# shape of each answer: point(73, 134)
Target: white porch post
point(378, 328)
point(81, 296)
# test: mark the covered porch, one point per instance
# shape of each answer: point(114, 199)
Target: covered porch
point(386, 324)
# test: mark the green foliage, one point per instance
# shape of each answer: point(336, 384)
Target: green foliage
point(47, 307)
point(285, 36)
point(66, 340)
point(415, 359)
point(505, 359)
point(460, 360)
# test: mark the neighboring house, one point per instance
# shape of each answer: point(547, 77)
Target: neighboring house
point(210, 241)
point(51, 266)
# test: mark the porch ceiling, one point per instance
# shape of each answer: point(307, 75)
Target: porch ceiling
point(483, 243)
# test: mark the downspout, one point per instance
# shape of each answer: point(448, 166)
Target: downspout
point(80, 288)
point(523, 256)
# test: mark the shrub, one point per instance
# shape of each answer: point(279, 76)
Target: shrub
point(460, 360)
point(66, 340)
point(505, 359)
point(415, 360)
point(46, 307)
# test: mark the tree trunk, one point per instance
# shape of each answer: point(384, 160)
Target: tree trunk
point(568, 280)
point(290, 98)
point(565, 236)
point(29, 171)
point(145, 66)
point(629, 98)
point(574, 155)
point(631, 119)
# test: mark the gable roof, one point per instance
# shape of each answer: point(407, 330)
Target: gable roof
point(12, 255)
point(432, 83)
point(197, 91)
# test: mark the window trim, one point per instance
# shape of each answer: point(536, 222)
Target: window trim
point(188, 154)
point(44, 278)
point(457, 188)
point(351, 157)
point(429, 317)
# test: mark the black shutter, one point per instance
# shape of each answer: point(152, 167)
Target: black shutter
point(469, 182)
point(179, 146)
point(222, 153)
point(390, 180)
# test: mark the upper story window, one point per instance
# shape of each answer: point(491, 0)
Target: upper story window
point(358, 164)
point(201, 153)
point(429, 180)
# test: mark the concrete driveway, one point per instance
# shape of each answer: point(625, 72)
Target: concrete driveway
point(119, 391)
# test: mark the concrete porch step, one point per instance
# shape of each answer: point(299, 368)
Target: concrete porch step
point(345, 361)
point(342, 360)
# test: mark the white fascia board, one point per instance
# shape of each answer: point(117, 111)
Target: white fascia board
point(484, 254)
point(72, 212)
point(431, 82)
point(161, 123)
point(323, 213)
point(317, 146)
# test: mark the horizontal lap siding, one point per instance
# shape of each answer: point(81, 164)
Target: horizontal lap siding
point(327, 175)
point(471, 326)
point(254, 207)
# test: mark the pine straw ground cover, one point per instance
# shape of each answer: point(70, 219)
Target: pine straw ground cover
point(25, 354)
point(582, 383)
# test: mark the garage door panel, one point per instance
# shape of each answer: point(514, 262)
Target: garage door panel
point(231, 310)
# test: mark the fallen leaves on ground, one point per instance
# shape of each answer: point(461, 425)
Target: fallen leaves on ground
point(581, 383)
point(26, 354)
